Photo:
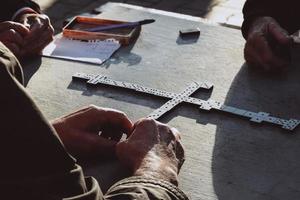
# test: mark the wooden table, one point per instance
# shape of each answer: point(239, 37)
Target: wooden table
point(227, 157)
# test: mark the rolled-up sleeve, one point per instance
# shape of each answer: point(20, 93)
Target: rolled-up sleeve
point(144, 189)
point(133, 188)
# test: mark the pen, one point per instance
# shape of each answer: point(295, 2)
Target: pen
point(124, 25)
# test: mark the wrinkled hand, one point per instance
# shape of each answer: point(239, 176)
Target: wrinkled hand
point(12, 35)
point(267, 45)
point(40, 33)
point(79, 131)
point(152, 150)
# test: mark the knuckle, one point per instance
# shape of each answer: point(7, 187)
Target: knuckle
point(121, 114)
point(149, 121)
point(11, 31)
point(165, 128)
point(254, 37)
point(114, 112)
point(94, 110)
point(92, 107)
point(251, 37)
point(9, 23)
point(146, 122)
point(176, 133)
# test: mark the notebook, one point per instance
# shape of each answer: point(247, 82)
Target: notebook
point(96, 51)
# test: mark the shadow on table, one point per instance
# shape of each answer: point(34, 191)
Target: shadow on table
point(30, 67)
point(187, 40)
point(124, 55)
point(261, 161)
point(110, 171)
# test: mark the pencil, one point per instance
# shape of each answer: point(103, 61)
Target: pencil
point(124, 25)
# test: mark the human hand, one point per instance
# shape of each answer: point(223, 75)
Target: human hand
point(152, 150)
point(40, 33)
point(12, 35)
point(79, 131)
point(267, 45)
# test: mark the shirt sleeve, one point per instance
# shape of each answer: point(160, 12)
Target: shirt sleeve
point(253, 9)
point(283, 13)
point(136, 188)
point(36, 165)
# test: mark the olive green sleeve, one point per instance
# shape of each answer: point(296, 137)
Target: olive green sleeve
point(132, 188)
point(138, 187)
point(34, 162)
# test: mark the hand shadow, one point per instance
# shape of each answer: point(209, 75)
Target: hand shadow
point(30, 67)
point(259, 162)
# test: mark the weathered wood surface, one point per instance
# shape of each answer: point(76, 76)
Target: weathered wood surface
point(227, 157)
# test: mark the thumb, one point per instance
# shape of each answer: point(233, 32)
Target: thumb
point(279, 34)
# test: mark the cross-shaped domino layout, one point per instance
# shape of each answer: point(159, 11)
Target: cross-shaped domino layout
point(184, 96)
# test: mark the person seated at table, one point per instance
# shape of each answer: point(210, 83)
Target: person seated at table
point(36, 161)
point(267, 27)
point(23, 28)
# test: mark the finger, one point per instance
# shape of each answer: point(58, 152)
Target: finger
point(179, 149)
point(33, 48)
point(279, 34)
point(34, 34)
point(11, 36)
point(95, 118)
point(180, 154)
point(265, 55)
point(165, 133)
point(145, 128)
point(270, 61)
point(26, 23)
point(111, 134)
point(89, 145)
point(176, 133)
point(39, 25)
point(36, 25)
point(20, 28)
point(251, 56)
point(116, 119)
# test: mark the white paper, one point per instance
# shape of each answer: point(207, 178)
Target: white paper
point(95, 52)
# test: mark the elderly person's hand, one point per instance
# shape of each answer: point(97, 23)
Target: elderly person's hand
point(12, 35)
point(267, 45)
point(92, 131)
point(152, 150)
point(40, 33)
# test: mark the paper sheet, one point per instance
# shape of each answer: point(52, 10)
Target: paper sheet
point(95, 52)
